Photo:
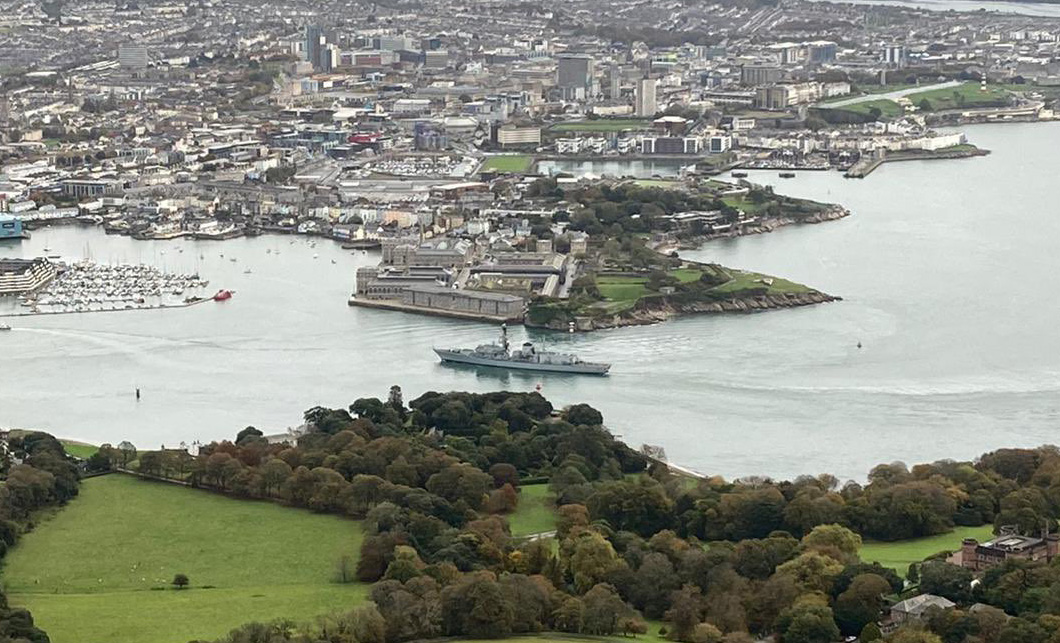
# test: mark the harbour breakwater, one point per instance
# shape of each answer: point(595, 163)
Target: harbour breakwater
point(866, 166)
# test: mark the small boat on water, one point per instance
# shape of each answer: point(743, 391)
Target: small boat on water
point(4, 327)
point(787, 175)
point(223, 295)
point(739, 175)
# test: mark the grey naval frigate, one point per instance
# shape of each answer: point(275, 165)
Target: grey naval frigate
point(525, 358)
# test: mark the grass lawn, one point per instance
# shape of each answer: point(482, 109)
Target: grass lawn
point(622, 289)
point(535, 513)
point(686, 275)
point(963, 147)
point(898, 555)
point(79, 449)
point(508, 163)
point(888, 108)
point(742, 203)
point(88, 572)
point(603, 125)
point(968, 95)
point(743, 280)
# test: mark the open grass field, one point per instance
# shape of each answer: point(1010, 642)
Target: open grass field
point(603, 125)
point(888, 108)
point(89, 573)
point(968, 95)
point(747, 205)
point(535, 514)
point(898, 555)
point(79, 449)
point(686, 275)
point(508, 163)
point(743, 280)
point(624, 289)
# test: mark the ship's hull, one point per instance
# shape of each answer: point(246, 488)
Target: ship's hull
point(585, 368)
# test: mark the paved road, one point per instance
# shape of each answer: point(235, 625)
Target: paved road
point(891, 95)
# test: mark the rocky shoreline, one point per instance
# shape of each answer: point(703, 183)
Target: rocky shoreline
point(832, 213)
point(665, 309)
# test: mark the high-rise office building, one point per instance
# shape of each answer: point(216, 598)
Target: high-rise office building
point(313, 36)
point(132, 56)
point(574, 75)
point(329, 58)
point(822, 51)
point(894, 55)
point(615, 82)
point(760, 74)
point(395, 43)
point(646, 104)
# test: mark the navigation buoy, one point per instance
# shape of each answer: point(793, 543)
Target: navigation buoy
point(859, 344)
point(137, 393)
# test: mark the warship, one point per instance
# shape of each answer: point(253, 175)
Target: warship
point(525, 358)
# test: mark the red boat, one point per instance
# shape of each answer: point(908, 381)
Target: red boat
point(223, 295)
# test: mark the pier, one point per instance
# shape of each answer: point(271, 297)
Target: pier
point(187, 304)
point(90, 287)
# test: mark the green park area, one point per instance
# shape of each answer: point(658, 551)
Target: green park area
point(742, 281)
point(743, 202)
point(101, 569)
point(602, 125)
point(884, 107)
point(617, 294)
point(966, 96)
point(79, 449)
point(621, 288)
point(508, 163)
point(899, 554)
point(534, 513)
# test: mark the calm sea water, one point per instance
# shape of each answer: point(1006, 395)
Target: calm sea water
point(949, 271)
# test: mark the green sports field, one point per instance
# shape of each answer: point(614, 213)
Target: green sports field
point(98, 571)
point(508, 163)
